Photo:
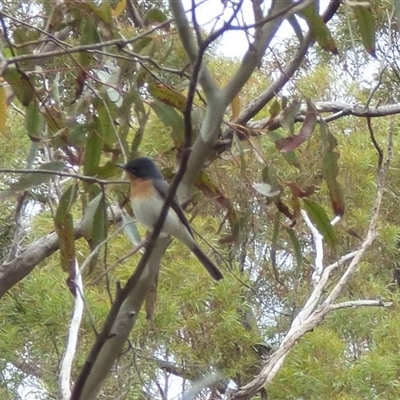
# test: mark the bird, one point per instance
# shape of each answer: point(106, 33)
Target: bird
point(147, 195)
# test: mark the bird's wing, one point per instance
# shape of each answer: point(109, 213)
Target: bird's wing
point(162, 189)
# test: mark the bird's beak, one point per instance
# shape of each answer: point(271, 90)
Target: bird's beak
point(121, 166)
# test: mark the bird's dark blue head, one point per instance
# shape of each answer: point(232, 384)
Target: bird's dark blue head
point(143, 168)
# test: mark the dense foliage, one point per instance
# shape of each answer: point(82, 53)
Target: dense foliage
point(292, 168)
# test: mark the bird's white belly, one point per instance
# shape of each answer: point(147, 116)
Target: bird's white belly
point(147, 213)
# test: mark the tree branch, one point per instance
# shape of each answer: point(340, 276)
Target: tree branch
point(310, 315)
point(13, 271)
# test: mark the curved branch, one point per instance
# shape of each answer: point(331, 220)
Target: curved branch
point(312, 314)
point(13, 271)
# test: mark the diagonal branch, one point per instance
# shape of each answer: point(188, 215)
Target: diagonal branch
point(13, 271)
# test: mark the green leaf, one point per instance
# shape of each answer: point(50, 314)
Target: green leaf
point(170, 117)
point(366, 23)
point(142, 43)
point(397, 11)
point(65, 231)
point(318, 28)
point(89, 216)
point(239, 146)
point(34, 120)
point(155, 15)
point(3, 109)
point(298, 255)
point(330, 169)
point(274, 109)
point(275, 236)
point(21, 85)
point(288, 114)
point(130, 229)
point(104, 11)
point(93, 152)
point(318, 216)
point(66, 202)
point(168, 95)
point(89, 36)
point(105, 125)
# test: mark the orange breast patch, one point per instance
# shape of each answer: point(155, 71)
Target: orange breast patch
point(141, 188)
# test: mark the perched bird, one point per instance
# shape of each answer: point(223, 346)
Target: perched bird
point(148, 192)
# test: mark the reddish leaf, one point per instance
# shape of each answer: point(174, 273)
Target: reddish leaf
point(293, 141)
point(298, 192)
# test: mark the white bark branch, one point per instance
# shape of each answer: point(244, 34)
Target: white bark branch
point(66, 364)
point(311, 314)
point(319, 248)
point(360, 303)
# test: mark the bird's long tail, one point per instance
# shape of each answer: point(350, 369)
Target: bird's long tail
point(207, 263)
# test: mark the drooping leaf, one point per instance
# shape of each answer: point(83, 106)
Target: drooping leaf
point(3, 109)
point(330, 169)
point(142, 43)
point(20, 84)
point(66, 202)
point(293, 141)
point(104, 11)
point(366, 24)
point(105, 125)
point(288, 114)
point(240, 149)
point(93, 152)
point(265, 189)
point(167, 95)
point(213, 191)
point(318, 28)
point(89, 36)
point(235, 106)
point(319, 218)
point(298, 192)
point(99, 231)
point(130, 229)
point(89, 215)
point(111, 78)
point(65, 232)
point(275, 108)
point(95, 224)
point(155, 15)
point(119, 8)
point(34, 120)
point(298, 255)
point(397, 11)
point(274, 240)
point(170, 117)
point(290, 156)
point(296, 207)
